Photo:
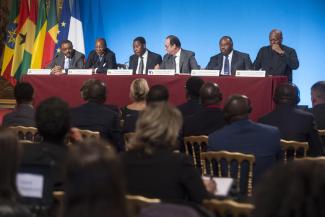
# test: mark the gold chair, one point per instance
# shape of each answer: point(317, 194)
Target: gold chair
point(229, 157)
point(224, 208)
point(321, 158)
point(137, 202)
point(89, 134)
point(321, 133)
point(287, 145)
point(194, 145)
point(26, 133)
point(58, 197)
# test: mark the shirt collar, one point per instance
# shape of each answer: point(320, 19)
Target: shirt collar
point(178, 53)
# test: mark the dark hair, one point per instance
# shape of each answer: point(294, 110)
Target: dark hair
point(237, 107)
point(319, 88)
point(173, 40)
point(103, 40)
point(210, 94)
point(292, 190)
point(94, 90)
point(140, 39)
point(157, 93)
point(9, 160)
point(193, 85)
point(66, 41)
point(53, 119)
point(23, 92)
point(226, 37)
point(286, 93)
point(94, 182)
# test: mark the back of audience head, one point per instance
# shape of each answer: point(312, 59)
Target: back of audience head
point(292, 190)
point(318, 93)
point(53, 119)
point(192, 86)
point(139, 90)
point(158, 93)
point(94, 182)
point(210, 94)
point(24, 93)
point(157, 128)
point(236, 108)
point(286, 93)
point(9, 160)
point(94, 90)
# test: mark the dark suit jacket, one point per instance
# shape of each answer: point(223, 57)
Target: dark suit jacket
point(295, 124)
point(108, 61)
point(77, 61)
point(187, 62)
point(276, 64)
point(152, 61)
point(23, 115)
point(163, 174)
point(250, 138)
point(203, 122)
point(190, 107)
point(319, 114)
point(47, 154)
point(239, 61)
point(97, 117)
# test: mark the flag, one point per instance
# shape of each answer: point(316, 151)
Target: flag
point(25, 38)
point(10, 43)
point(63, 25)
point(76, 35)
point(51, 34)
point(39, 36)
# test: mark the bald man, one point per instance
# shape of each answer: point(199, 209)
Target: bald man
point(277, 59)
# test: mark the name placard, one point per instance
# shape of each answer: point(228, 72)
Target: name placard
point(161, 72)
point(250, 73)
point(119, 72)
point(80, 71)
point(205, 72)
point(39, 72)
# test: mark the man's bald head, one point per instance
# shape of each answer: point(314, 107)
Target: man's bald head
point(237, 107)
point(210, 94)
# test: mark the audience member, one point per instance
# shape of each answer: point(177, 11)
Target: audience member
point(192, 88)
point(94, 182)
point(24, 113)
point(157, 93)
point(293, 123)
point(318, 102)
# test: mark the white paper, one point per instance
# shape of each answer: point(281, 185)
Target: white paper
point(223, 185)
point(119, 72)
point(80, 71)
point(250, 73)
point(30, 185)
point(205, 72)
point(161, 72)
point(39, 72)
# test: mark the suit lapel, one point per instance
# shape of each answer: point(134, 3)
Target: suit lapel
point(181, 61)
point(234, 61)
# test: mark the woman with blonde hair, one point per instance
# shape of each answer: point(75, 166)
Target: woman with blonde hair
point(151, 167)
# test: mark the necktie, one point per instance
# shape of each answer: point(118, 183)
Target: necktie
point(141, 66)
point(100, 58)
point(226, 67)
point(66, 63)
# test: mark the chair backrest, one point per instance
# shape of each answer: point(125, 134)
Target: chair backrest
point(294, 146)
point(58, 197)
point(225, 208)
point(194, 145)
point(215, 158)
point(137, 202)
point(26, 133)
point(89, 134)
point(321, 158)
point(321, 133)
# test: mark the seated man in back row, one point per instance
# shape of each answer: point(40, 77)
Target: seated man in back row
point(67, 58)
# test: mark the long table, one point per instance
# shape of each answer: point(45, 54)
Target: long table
point(67, 87)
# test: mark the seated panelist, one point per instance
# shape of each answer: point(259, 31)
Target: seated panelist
point(67, 58)
point(102, 58)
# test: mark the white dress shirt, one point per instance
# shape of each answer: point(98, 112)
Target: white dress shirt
point(177, 59)
point(145, 58)
point(223, 63)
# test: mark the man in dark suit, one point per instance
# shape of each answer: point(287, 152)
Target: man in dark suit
point(68, 58)
point(277, 59)
point(193, 104)
point(318, 102)
point(294, 124)
point(246, 136)
point(102, 58)
point(229, 60)
point(143, 59)
point(210, 118)
point(183, 61)
point(24, 113)
point(96, 116)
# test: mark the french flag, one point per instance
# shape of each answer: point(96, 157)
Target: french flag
point(76, 35)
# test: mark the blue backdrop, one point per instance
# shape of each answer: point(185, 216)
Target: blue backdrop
point(200, 24)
